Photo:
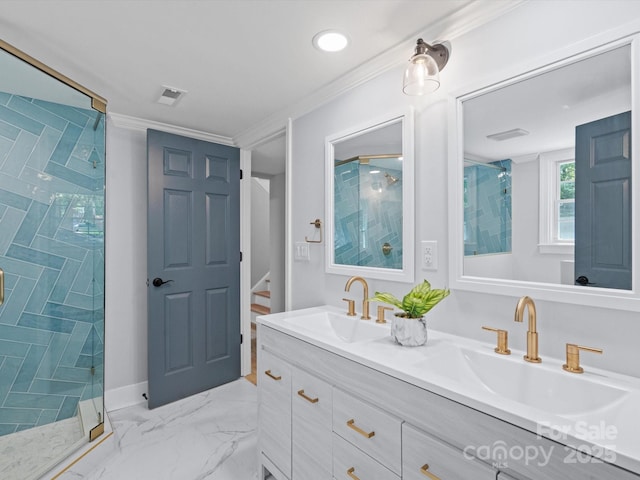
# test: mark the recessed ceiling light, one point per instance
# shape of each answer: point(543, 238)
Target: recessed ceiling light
point(330, 41)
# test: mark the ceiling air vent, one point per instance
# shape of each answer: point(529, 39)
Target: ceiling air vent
point(516, 132)
point(170, 95)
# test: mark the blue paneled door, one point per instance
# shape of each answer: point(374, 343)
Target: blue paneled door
point(193, 267)
point(603, 203)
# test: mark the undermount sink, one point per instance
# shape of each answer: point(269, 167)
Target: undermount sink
point(346, 328)
point(473, 367)
point(340, 326)
point(541, 386)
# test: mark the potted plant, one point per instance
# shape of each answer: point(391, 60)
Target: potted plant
point(409, 327)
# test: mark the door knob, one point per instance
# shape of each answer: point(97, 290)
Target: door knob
point(158, 282)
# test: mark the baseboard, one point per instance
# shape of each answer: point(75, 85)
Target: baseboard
point(127, 396)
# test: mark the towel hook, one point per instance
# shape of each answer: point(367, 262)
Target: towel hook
point(318, 224)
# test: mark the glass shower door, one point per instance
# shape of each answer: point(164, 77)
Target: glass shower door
point(52, 253)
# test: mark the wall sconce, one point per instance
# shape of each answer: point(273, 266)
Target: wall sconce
point(422, 76)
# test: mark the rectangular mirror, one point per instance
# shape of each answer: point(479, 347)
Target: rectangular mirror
point(369, 172)
point(542, 182)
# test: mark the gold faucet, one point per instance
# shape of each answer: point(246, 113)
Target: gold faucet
point(573, 357)
point(365, 301)
point(532, 334)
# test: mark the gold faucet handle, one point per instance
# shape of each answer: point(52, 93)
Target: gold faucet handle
point(573, 357)
point(352, 307)
point(503, 341)
point(381, 310)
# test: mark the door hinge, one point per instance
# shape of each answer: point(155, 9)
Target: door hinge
point(241, 339)
point(240, 256)
point(240, 174)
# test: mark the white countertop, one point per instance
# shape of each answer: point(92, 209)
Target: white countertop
point(611, 433)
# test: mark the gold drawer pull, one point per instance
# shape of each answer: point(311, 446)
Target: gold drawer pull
point(425, 471)
point(271, 375)
point(307, 398)
point(352, 425)
point(351, 474)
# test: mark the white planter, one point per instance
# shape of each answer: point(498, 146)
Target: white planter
point(410, 332)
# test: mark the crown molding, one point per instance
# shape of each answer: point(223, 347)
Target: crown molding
point(141, 125)
point(466, 19)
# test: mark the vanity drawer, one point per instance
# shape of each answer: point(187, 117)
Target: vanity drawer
point(311, 426)
point(372, 430)
point(349, 463)
point(423, 456)
point(274, 410)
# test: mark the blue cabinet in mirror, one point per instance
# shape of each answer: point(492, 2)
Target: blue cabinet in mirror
point(370, 199)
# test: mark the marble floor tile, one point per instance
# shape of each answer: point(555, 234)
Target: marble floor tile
point(211, 435)
point(27, 453)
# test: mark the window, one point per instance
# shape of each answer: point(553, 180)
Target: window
point(565, 200)
point(557, 201)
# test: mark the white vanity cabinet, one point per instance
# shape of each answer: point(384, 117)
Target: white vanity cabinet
point(372, 430)
point(424, 456)
point(398, 428)
point(505, 476)
point(274, 412)
point(311, 405)
point(351, 463)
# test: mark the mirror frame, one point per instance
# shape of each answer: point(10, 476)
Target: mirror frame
point(406, 274)
point(594, 297)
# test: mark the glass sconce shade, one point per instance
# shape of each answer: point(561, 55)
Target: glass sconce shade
point(422, 76)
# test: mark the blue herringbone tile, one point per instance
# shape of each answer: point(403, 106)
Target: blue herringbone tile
point(48, 149)
point(36, 113)
point(20, 121)
point(42, 322)
point(28, 369)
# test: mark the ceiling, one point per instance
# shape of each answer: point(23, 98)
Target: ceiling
point(549, 106)
point(242, 62)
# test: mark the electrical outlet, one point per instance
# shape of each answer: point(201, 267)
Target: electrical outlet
point(429, 252)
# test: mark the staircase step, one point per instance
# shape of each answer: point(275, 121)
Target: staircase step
point(263, 293)
point(261, 309)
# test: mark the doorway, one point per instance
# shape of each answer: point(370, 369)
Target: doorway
point(268, 239)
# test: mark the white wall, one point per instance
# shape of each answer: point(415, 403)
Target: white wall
point(126, 264)
point(529, 264)
point(493, 265)
point(260, 227)
point(480, 55)
point(277, 241)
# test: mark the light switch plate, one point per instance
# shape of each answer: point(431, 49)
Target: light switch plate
point(301, 252)
point(429, 254)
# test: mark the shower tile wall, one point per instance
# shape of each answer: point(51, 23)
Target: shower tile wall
point(51, 324)
point(368, 213)
point(487, 209)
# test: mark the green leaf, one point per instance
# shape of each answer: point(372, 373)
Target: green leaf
point(420, 290)
point(386, 298)
point(417, 302)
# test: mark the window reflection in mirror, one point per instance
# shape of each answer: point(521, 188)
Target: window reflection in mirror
point(547, 176)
